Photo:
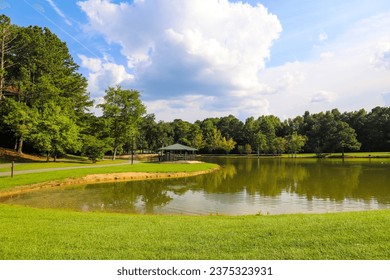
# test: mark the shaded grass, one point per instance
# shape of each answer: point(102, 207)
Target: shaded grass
point(28, 233)
point(32, 178)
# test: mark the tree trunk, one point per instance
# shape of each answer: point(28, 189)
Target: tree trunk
point(2, 64)
point(55, 157)
point(114, 155)
point(47, 157)
point(16, 144)
point(20, 145)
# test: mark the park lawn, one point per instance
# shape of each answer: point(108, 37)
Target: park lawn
point(349, 154)
point(59, 164)
point(32, 178)
point(29, 233)
point(363, 154)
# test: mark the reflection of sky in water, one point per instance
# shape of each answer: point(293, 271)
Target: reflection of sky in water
point(242, 187)
point(243, 203)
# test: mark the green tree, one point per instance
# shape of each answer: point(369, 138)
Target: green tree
point(377, 129)
point(279, 144)
point(196, 137)
point(232, 128)
point(44, 70)
point(123, 111)
point(93, 148)
point(165, 134)
point(181, 130)
point(20, 119)
point(55, 132)
point(345, 138)
point(227, 144)
point(148, 133)
point(261, 142)
point(248, 149)
point(268, 125)
point(358, 121)
point(295, 142)
point(7, 36)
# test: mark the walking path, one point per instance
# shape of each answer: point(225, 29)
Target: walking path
point(3, 174)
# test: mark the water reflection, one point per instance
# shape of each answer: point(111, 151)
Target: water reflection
point(242, 186)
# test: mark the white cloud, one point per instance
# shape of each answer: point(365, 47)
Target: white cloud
point(349, 74)
point(104, 74)
point(326, 55)
point(381, 58)
point(323, 96)
point(196, 59)
point(180, 48)
point(322, 37)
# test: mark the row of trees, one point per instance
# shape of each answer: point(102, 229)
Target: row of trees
point(43, 97)
point(324, 132)
point(44, 108)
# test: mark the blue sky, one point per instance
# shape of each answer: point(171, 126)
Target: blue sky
point(205, 58)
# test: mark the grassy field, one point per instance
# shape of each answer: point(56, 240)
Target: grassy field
point(351, 155)
point(313, 155)
point(44, 165)
point(28, 233)
point(32, 178)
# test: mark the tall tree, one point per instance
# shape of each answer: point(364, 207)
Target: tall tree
point(55, 132)
point(20, 119)
point(295, 142)
point(377, 129)
point(345, 137)
point(123, 111)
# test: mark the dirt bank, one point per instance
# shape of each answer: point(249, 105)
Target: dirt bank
point(101, 178)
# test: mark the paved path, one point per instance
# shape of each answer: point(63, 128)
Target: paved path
point(2, 174)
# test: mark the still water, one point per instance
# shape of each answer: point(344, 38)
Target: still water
point(242, 186)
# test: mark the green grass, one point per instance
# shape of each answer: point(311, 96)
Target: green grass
point(44, 165)
point(350, 154)
point(364, 154)
point(32, 178)
point(28, 233)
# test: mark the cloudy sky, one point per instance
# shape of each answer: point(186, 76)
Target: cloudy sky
point(193, 59)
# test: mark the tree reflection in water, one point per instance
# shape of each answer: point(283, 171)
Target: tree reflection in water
point(243, 180)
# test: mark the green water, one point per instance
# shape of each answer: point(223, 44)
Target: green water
point(242, 186)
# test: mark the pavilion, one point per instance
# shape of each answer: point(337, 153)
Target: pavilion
point(177, 152)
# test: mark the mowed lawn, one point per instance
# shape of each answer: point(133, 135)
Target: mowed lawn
point(24, 179)
point(28, 233)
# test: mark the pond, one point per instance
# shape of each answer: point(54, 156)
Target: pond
point(242, 186)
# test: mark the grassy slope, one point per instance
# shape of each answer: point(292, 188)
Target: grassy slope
point(27, 233)
point(24, 179)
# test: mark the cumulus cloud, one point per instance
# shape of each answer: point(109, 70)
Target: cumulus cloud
point(196, 59)
point(323, 96)
point(381, 58)
point(349, 73)
point(104, 74)
point(176, 49)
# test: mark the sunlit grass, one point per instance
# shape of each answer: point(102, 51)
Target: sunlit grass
point(59, 164)
point(32, 178)
point(28, 233)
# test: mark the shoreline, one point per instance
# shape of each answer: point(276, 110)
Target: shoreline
point(102, 178)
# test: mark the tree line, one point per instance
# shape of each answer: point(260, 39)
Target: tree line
point(45, 108)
